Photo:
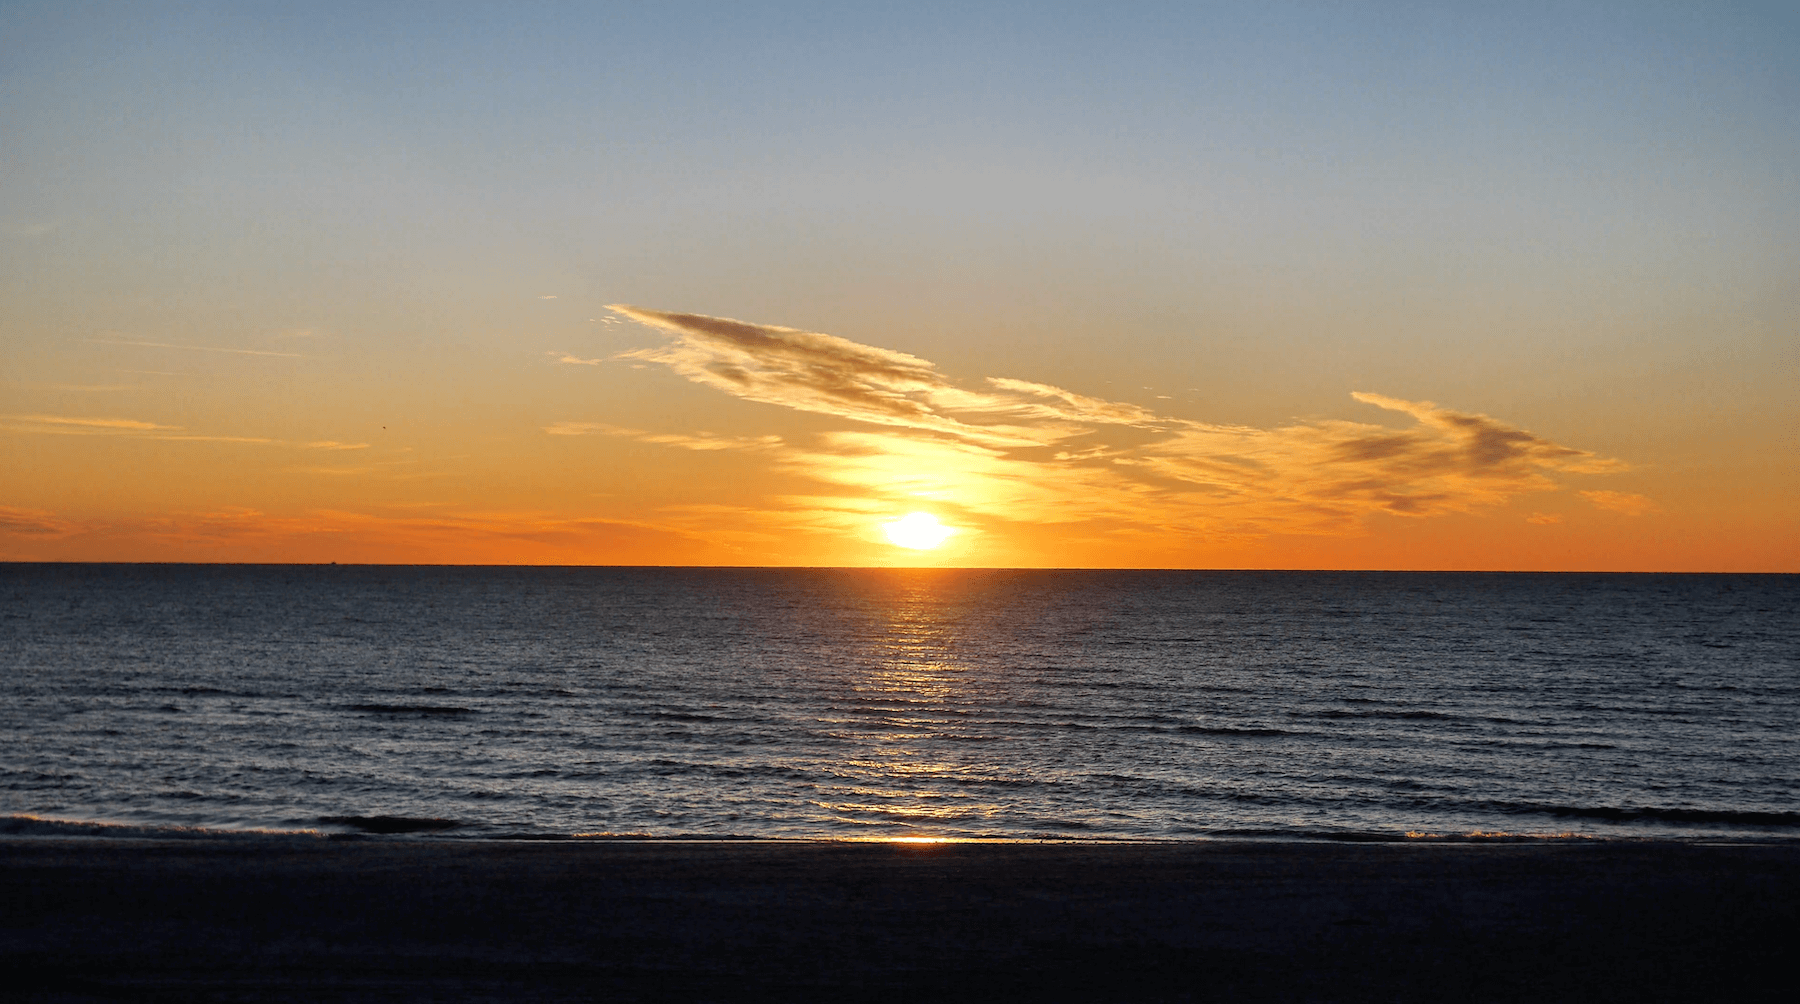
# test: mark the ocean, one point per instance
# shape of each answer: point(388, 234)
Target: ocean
point(453, 702)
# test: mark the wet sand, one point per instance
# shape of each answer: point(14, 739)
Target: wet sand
point(380, 919)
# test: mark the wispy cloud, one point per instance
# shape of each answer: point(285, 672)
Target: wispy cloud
point(66, 425)
point(828, 375)
point(1621, 502)
point(709, 441)
point(132, 428)
point(582, 429)
point(696, 441)
point(1017, 450)
point(59, 423)
point(193, 348)
point(30, 522)
point(1079, 407)
point(332, 444)
point(247, 534)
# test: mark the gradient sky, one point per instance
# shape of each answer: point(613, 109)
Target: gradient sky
point(1235, 285)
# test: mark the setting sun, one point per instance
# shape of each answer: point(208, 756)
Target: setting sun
point(918, 530)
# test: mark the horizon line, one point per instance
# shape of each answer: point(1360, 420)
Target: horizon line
point(897, 568)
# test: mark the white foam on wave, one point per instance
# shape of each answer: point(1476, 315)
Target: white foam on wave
point(24, 825)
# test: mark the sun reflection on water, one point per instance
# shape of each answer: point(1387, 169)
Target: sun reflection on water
point(917, 712)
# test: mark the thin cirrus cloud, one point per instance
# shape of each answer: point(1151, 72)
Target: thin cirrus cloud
point(68, 425)
point(77, 425)
point(30, 522)
point(1621, 502)
point(1020, 451)
point(481, 536)
point(698, 441)
point(828, 375)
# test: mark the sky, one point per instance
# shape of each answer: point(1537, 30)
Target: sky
point(1261, 285)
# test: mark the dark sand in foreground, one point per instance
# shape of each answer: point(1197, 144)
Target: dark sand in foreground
point(305, 919)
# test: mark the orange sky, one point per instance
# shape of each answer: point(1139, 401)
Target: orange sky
point(1251, 287)
point(777, 446)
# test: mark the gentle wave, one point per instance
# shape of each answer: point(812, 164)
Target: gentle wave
point(845, 703)
point(400, 828)
point(34, 826)
point(410, 709)
point(1616, 814)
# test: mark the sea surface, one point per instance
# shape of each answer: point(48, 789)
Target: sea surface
point(452, 702)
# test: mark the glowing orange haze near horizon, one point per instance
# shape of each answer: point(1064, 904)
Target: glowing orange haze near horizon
point(839, 442)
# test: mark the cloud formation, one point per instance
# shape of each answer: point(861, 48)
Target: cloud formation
point(1621, 502)
point(241, 533)
point(78, 425)
point(65, 425)
point(30, 522)
point(1020, 451)
point(698, 441)
point(131, 428)
point(828, 375)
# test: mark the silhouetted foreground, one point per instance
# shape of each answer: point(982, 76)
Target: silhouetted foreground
point(310, 920)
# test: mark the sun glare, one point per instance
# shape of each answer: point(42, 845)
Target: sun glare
point(918, 530)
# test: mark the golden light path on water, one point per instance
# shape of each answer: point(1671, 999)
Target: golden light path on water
point(915, 682)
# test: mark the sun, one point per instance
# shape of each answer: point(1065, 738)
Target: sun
point(918, 530)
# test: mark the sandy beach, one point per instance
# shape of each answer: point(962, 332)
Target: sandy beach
point(378, 919)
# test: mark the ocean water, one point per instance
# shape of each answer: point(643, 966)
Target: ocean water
point(849, 703)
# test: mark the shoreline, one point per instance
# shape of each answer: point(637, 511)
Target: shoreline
point(26, 825)
point(656, 919)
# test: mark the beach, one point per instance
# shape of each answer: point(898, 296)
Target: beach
point(308, 918)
